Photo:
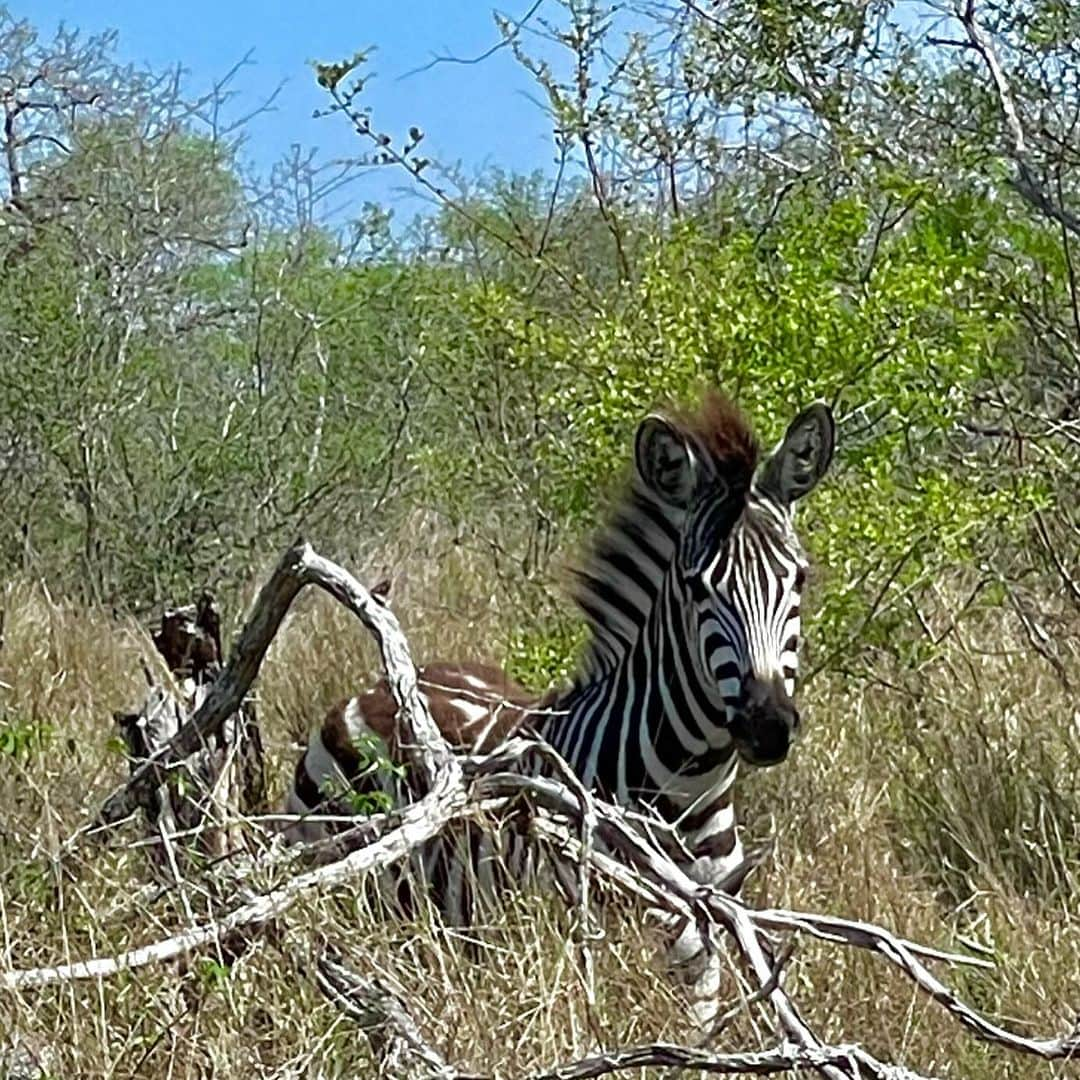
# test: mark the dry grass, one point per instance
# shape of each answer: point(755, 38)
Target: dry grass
point(945, 806)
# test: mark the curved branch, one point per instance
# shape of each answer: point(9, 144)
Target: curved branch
point(418, 823)
point(781, 1059)
point(601, 837)
point(299, 566)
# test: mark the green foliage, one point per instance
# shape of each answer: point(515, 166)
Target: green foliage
point(330, 75)
point(23, 738)
point(899, 333)
point(213, 975)
point(374, 760)
point(374, 765)
point(27, 881)
point(546, 655)
point(360, 803)
point(192, 383)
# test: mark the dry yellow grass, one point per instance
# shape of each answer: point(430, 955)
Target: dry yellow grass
point(945, 807)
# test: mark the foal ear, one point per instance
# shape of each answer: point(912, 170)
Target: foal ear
point(803, 456)
point(664, 461)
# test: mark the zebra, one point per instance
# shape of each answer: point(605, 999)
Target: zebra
point(692, 596)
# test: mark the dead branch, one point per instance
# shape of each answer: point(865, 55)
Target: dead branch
point(638, 868)
point(1024, 183)
point(298, 567)
point(400, 1048)
point(665, 884)
point(620, 849)
point(781, 1059)
point(222, 784)
point(418, 823)
point(860, 934)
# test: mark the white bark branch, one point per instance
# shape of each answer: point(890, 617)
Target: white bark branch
point(1025, 183)
point(852, 1060)
point(599, 837)
point(298, 567)
point(418, 823)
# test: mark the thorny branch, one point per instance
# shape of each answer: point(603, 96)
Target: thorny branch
point(613, 845)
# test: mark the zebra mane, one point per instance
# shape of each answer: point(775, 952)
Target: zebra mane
point(618, 582)
point(720, 430)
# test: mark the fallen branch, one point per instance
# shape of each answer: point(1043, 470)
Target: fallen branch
point(636, 867)
point(784, 1058)
point(299, 566)
point(418, 824)
point(862, 935)
point(415, 824)
point(400, 1048)
point(621, 848)
point(402, 1051)
point(671, 888)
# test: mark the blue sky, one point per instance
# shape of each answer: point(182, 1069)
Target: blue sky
point(477, 114)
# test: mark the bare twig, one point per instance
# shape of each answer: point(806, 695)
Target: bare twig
point(510, 31)
point(1024, 183)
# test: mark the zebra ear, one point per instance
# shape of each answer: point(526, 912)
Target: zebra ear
point(804, 453)
point(664, 461)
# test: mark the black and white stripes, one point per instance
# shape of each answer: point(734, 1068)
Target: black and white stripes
point(692, 594)
point(693, 598)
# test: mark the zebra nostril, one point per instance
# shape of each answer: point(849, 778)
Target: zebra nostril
point(764, 729)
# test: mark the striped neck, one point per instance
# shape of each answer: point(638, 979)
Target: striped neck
point(618, 588)
point(646, 726)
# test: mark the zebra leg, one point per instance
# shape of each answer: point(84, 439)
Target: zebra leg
point(695, 963)
point(693, 959)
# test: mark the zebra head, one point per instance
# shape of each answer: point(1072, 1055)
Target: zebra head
point(737, 567)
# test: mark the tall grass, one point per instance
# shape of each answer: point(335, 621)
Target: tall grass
point(942, 802)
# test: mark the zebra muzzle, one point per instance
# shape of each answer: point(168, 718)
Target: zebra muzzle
point(765, 729)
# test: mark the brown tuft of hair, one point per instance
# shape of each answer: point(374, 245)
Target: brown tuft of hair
point(721, 430)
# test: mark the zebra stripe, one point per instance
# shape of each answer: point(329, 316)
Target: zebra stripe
point(693, 599)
